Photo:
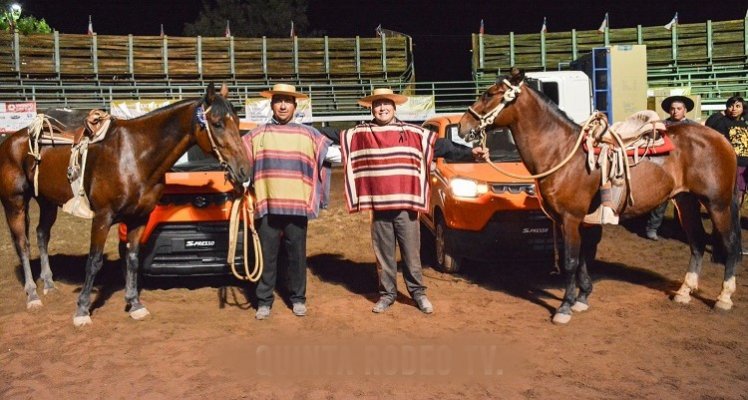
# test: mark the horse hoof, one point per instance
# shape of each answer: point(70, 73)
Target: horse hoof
point(723, 305)
point(139, 314)
point(34, 305)
point(679, 298)
point(82, 321)
point(579, 307)
point(561, 319)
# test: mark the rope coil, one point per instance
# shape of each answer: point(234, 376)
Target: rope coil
point(243, 208)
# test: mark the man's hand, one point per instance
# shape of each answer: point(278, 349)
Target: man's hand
point(480, 153)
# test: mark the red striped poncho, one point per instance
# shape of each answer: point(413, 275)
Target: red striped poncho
point(387, 167)
point(288, 175)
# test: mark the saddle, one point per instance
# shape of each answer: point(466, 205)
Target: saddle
point(642, 133)
point(93, 130)
point(94, 127)
point(612, 149)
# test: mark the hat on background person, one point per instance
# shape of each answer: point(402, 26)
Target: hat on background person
point(284, 89)
point(670, 100)
point(382, 93)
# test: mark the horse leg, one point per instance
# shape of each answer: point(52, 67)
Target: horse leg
point(99, 230)
point(726, 223)
point(47, 218)
point(136, 309)
point(689, 211)
point(17, 216)
point(571, 263)
point(590, 239)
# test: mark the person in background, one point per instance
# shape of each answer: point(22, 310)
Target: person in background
point(732, 125)
point(288, 179)
point(677, 107)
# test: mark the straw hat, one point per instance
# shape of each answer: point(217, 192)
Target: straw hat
point(670, 100)
point(282, 88)
point(382, 93)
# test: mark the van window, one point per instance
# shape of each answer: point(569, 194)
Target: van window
point(550, 89)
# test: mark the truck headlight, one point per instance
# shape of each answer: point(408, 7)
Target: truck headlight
point(462, 187)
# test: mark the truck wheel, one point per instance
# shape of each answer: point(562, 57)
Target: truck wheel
point(444, 259)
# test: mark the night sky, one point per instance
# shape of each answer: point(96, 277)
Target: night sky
point(440, 29)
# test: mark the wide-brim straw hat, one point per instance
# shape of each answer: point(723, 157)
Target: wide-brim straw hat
point(672, 99)
point(382, 93)
point(284, 89)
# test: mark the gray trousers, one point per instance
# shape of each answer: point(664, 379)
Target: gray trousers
point(390, 229)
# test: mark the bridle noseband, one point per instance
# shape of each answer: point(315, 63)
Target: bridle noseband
point(487, 119)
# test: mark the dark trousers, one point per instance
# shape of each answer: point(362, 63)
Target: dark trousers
point(656, 217)
point(390, 229)
point(292, 231)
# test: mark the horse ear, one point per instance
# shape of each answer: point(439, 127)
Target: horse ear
point(224, 91)
point(516, 75)
point(210, 94)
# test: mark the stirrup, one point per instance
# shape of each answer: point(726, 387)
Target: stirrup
point(603, 215)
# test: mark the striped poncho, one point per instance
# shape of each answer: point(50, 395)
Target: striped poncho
point(387, 167)
point(288, 176)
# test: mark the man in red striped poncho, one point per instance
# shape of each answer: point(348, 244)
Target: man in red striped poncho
point(386, 170)
point(288, 180)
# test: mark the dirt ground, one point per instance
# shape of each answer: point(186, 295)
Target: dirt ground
point(489, 337)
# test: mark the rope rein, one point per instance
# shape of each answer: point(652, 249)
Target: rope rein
point(243, 208)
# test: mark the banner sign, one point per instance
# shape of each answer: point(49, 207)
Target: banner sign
point(127, 109)
point(417, 108)
point(16, 115)
point(258, 110)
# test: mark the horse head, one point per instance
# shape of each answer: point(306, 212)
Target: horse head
point(487, 110)
point(218, 134)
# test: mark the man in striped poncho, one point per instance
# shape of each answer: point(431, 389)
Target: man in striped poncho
point(386, 170)
point(288, 180)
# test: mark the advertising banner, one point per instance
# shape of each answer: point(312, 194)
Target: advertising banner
point(126, 109)
point(258, 110)
point(15, 115)
point(417, 108)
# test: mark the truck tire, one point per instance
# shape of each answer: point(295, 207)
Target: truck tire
point(445, 261)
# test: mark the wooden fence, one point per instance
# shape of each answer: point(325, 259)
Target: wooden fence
point(705, 43)
point(70, 56)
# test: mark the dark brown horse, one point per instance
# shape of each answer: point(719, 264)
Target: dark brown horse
point(700, 171)
point(123, 181)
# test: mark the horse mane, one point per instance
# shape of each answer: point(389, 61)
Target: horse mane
point(554, 108)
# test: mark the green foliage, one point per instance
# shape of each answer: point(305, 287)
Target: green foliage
point(250, 18)
point(22, 24)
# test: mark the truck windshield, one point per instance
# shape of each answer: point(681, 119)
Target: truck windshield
point(499, 141)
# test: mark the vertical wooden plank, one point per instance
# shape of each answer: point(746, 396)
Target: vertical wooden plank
point(232, 54)
point(165, 53)
point(130, 56)
point(709, 41)
point(57, 53)
point(574, 50)
point(95, 54)
point(200, 56)
point(265, 57)
point(358, 56)
point(327, 56)
point(639, 35)
point(674, 43)
point(481, 52)
point(542, 50)
point(17, 51)
point(296, 56)
point(384, 55)
point(511, 48)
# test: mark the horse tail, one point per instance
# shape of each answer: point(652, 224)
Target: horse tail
point(733, 243)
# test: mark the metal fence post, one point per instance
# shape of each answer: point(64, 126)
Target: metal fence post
point(574, 44)
point(94, 54)
point(130, 56)
point(57, 53)
point(165, 46)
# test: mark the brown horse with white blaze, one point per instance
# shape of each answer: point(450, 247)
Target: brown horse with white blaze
point(701, 170)
point(123, 182)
